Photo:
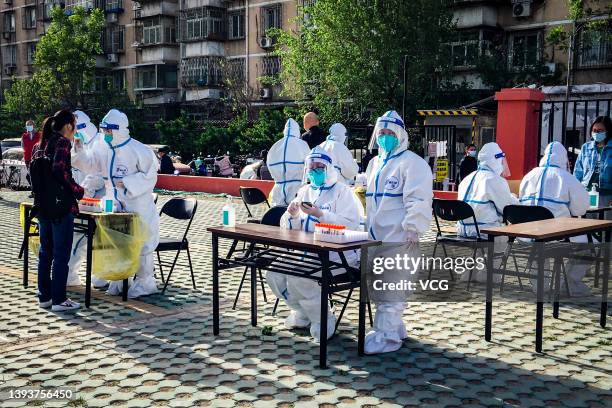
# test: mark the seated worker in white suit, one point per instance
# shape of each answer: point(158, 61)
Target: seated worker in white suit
point(94, 188)
point(130, 170)
point(285, 162)
point(344, 162)
point(332, 203)
point(551, 185)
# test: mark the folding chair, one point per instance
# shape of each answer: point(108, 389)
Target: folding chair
point(252, 196)
point(179, 209)
point(453, 211)
point(271, 217)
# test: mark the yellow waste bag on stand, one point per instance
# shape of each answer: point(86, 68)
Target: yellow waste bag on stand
point(117, 244)
point(34, 244)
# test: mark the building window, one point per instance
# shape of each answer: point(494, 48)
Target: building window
point(152, 31)
point(236, 26)
point(202, 23)
point(118, 78)
point(156, 76)
point(29, 18)
point(271, 17)
point(114, 6)
point(525, 49)
point(114, 39)
point(270, 66)
point(9, 22)
point(9, 55)
point(595, 49)
point(72, 4)
point(30, 51)
point(236, 70)
point(146, 77)
point(202, 71)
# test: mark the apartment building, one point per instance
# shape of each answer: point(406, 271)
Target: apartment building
point(165, 53)
point(519, 27)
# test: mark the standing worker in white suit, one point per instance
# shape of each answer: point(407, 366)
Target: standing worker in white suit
point(94, 188)
point(398, 207)
point(286, 164)
point(331, 202)
point(344, 162)
point(130, 171)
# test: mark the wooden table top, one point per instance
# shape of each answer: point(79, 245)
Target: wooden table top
point(88, 214)
point(284, 237)
point(549, 229)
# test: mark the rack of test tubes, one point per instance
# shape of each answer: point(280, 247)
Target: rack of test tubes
point(337, 234)
point(89, 205)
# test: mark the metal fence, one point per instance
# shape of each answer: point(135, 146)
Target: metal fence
point(569, 122)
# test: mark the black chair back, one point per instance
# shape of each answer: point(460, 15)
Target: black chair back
point(181, 209)
point(453, 210)
point(274, 215)
point(252, 196)
point(518, 214)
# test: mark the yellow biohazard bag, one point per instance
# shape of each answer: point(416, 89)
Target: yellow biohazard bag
point(117, 244)
point(34, 244)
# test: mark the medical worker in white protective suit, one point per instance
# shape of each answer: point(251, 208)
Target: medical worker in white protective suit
point(285, 162)
point(344, 162)
point(94, 188)
point(487, 192)
point(551, 185)
point(398, 207)
point(130, 170)
point(332, 203)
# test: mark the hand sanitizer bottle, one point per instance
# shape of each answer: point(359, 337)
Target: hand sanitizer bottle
point(229, 214)
point(594, 197)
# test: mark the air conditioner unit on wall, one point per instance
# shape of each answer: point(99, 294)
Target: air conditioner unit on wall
point(112, 58)
point(265, 93)
point(521, 8)
point(266, 42)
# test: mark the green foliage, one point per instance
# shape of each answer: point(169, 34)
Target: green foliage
point(13, 125)
point(179, 134)
point(557, 36)
point(216, 140)
point(575, 9)
point(353, 51)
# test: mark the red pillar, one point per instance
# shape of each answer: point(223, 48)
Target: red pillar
point(517, 128)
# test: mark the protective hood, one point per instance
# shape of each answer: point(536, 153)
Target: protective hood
point(393, 121)
point(487, 158)
point(555, 155)
point(118, 122)
point(337, 133)
point(318, 155)
point(292, 129)
point(84, 126)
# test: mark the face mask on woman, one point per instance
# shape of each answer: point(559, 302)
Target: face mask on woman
point(30, 128)
point(599, 136)
point(387, 143)
point(316, 177)
point(108, 137)
point(472, 153)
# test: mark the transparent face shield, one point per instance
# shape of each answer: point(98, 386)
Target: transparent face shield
point(506, 170)
point(107, 131)
point(317, 168)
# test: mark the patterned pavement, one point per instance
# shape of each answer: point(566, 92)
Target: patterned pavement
point(160, 350)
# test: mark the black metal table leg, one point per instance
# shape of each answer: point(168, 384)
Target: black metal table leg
point(253, 295)
point(363, 300)
point(125, 290)
point(324, 256)
point(90, 234)
point(215, 265)
point(540, 301)
point(606, 276)
point(26, 245)
point(489, 294)
point(557, 277)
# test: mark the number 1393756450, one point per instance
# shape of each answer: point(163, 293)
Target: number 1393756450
point(27, 394)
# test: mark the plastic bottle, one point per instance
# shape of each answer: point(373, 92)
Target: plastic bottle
point(229, 214)
point(594, 197)
point(108, 201)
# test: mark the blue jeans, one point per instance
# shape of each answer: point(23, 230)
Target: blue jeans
point(55, 245)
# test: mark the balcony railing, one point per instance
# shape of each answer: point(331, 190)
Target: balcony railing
point(595, 49)
point(202, 72)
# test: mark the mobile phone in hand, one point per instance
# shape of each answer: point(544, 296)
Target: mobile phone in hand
point(307, 204)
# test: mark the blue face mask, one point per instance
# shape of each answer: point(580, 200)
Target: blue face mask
point(387, 143)
point(317, 177)
point(30, 128)
point(472, 153)
point(599, 136)
point(108, 137)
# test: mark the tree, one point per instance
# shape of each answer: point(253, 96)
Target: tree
point(180, 134)
point(64, 64)
point(352, 52)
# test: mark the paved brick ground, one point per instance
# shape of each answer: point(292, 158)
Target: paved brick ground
point(160, 351)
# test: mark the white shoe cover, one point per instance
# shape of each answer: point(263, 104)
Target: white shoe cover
point(296, 320)
point(315, 328)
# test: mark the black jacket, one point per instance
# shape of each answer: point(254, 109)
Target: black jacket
point(468, 164)
point(166, 166)
point(314, 137)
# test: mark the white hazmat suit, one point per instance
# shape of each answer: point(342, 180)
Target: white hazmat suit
point(343, 160)
point(335, 200)
point(127, 161)
point(552, 186)
point(398, 207)
point(94, 188)
point(285, 162)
